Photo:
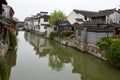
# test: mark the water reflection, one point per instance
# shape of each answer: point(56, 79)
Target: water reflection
point(6, 64)
point(87, 66)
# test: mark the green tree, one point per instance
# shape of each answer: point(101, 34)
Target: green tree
point(56, 18)
point(113, 54)
point(13, 39)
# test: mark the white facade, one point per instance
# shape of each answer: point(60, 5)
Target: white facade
point(73, 16)
point(28, 23)
point(38, 22)
point(114, 18)
point(6, 12)
point(42, 21)
point(35, 24)
point(42, 25)
point(79, 17)
point(42, 28)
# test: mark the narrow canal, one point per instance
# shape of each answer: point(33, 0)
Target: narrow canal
point(38, 58)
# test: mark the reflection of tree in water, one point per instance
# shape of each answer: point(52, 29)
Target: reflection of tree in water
point(43, 53)
point(10, 59)
point(58, 56)
point(42, 47)
point(55, 63)
point(88, 67)
point(3, 70)
point(6, 64)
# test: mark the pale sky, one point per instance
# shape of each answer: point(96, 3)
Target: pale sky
point(26, 8)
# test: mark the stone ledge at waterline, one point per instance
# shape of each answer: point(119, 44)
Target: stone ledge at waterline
point(3, 49)
point(89, 48)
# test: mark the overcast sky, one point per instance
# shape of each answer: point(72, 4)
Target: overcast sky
point(26, 8)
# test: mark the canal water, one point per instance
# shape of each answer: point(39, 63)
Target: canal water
point(38, 58)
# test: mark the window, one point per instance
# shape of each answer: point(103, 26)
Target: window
point(45, 19)
point(45, 27)
point(79, 19)
point(85, 18)
point(79, 33)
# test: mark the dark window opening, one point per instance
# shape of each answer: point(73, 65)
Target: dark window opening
point(79, 20)
point(45, 27)
point(45, 19)
point(85, 18)
point(79, 33)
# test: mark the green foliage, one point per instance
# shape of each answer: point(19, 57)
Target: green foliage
point(72, 36)
point(53, 34)
point(104, 43)
point(65, 34)
point(3, 70)
point(13, 39)
point(114, 37)
point(56, 18)
point(113, 54)
point(112, 47)
point(7, 41)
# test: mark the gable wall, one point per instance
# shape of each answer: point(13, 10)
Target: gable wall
point(72, 17)
point(114, 18)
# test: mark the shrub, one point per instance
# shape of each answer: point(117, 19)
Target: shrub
point(112, 47)
point(53, 34)
point(113, 54)
point(13, 39)
point(65, 34)
point(114, 37)
point(104, 43)
point(7, 41)
point(72, 36)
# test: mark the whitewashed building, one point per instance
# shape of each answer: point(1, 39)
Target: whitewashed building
point(39, 23)
point(43, 21)
point(28, 23)
point(104, 23)
point(108, 16)
point(80, 16)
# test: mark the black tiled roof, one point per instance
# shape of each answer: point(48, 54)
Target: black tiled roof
point(96, 29)
point(45, 16)
point(90, 23)
point(118, 10)
point(44, 12)
point(114, 25)
point(104, 12)
point(96, 14)
point(85, 13)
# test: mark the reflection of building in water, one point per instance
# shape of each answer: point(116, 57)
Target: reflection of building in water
point(41, 44)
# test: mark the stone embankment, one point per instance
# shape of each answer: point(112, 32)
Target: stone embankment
point(82, 46)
